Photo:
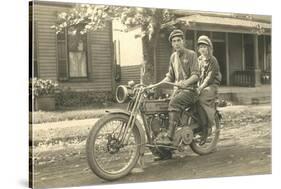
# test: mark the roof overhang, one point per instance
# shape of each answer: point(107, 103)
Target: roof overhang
point(221, 24)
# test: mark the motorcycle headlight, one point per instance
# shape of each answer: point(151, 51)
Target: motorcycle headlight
point(122, 93)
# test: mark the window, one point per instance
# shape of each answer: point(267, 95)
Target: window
point(72, 54)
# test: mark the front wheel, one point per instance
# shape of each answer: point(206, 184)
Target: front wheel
point(212, 140)
point(107, 157)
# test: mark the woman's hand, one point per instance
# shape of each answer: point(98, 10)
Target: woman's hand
point(180, 84)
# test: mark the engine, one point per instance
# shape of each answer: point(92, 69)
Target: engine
point(158, 122)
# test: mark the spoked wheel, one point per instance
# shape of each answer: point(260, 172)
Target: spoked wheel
point(107, 156)
point(211, 142)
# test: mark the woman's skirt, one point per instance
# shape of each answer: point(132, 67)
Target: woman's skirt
point(207, 100)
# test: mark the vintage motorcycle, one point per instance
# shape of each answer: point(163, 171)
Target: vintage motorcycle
point(118, 140)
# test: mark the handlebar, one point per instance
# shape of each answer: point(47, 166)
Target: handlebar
point(161, 83)
point(123, 92)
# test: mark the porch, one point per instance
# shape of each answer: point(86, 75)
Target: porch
point(246, 95)
point(241, 95)
point(242, 46)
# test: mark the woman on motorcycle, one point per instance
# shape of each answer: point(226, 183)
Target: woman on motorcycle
point(209, 81)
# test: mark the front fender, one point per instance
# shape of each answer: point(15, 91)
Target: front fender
point(138, 124)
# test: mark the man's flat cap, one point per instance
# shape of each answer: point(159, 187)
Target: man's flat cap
point(175, 33)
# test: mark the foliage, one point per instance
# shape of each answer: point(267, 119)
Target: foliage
point(41, 87)
point(94, 17)
point(68, 98)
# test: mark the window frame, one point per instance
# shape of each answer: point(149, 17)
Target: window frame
point(68, 78)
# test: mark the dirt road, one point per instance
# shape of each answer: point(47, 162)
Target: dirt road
point(244, 149)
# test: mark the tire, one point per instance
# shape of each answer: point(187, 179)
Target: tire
point(208, 147)
point(95, 148)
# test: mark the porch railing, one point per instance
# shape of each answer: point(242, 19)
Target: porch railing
point(247, 78)
point(244, 78)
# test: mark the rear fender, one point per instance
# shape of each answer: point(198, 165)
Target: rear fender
point(138, 124)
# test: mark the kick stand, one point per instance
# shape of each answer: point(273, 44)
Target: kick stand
point(139, 166)
point(141, 161)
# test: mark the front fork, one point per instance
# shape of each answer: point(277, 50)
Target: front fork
point(133, 114)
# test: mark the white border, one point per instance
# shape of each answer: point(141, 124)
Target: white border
point(14, 83)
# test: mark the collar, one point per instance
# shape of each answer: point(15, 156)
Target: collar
point(207, 58)
point(181, 52)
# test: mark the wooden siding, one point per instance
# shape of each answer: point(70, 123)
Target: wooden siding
point(235, 54)
point(129, 73)
point(99, 51)
point(45, 17)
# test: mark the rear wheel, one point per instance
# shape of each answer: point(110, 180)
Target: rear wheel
point(107, 157)
point(211, 142)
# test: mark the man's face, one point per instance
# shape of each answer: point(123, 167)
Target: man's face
point(177, 43)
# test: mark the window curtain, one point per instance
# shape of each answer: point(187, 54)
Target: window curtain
point(77, 64)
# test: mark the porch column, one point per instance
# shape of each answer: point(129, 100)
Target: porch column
point(195, 40)
point(257, 70)
point(243, 53)
point(227, 59)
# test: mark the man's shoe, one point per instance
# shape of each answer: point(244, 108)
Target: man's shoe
point(162, 158)
point(204, 136)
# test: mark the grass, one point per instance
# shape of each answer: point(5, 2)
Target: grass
point(72, 113)
point(80, 113)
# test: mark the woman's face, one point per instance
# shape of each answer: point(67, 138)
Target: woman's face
point(203, 49)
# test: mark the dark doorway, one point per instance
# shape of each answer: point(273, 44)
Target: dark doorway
point(249, 56)
point(219, 53)
point(249, 51)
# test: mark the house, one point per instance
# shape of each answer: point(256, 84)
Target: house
point(128, 52)
point(79, 63)
point(90, 66)
point(242, 45)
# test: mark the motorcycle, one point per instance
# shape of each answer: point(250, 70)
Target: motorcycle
point(119, 139)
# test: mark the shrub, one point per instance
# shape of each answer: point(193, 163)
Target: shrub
point(68, 98)
point(41, 87)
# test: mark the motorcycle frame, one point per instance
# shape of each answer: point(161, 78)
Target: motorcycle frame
point(133, 111)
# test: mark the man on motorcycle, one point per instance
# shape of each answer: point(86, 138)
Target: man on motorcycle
point(183, 71)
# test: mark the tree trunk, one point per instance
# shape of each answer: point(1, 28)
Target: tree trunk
point(148, 75)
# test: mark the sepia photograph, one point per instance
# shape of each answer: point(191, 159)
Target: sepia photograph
point(126, 94)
